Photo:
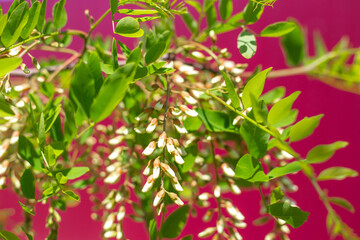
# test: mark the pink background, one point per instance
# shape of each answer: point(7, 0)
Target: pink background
point(333, 19)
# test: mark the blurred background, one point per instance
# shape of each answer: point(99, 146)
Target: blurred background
point(333, 19)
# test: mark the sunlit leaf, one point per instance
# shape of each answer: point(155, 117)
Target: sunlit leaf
point(246, 43)
point(337, 173)
point(322, 153)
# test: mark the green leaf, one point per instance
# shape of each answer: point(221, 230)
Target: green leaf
point(15, 24)
point(246, 43)
point(215, 121)
point(115, 60)
point(195, 5)
point(70, 128)
point(113, 6)
point(29, 236)
point(74, 172)
point(155, 52)
point(8, 235)
point(273, 95)
point(174, 223)
point(293, 46)
point(188, 237)
point(94, 66)
point(250, 169)
point(137, 11)
point(235, 100)
point(5, 109)
point(50, 191)
point(254, 87)
point(278, 29)
point(27, 152)
point(50, 156)
point(322, 153)
point(190, 22)
point(293, 216)
point(259, 110)
point(152, 229)
point(292, 167)
point(252, 12)
point(41, 132)
point(276, 195)
point(289, 119)
point(51, 117)
point(255, 138)
point(225, 9)
point(336, 173)
point(61, 178)
point(112, 92)
point(34, 14)
point(304, 128)
point(72, 195)
point(26, 208)
point(192, 124)
point(129, 27)
point(27, 183)
point(342, 203)
point(146, 19)
point(210, 12)
point(282, 108)
point(82, 87)
point(3, 21)
point(41, 21)
point(59, 14)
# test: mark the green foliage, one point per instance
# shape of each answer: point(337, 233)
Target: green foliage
point(27, 182)
point(293, 45)
point(15, 24)
point(174, 224)
point(282, 109)
point(336, 173)
point(294, 216)
point(182, 105)
point(246, 43)
point(304, 128)
point(254, 87)
point(278, 29)
point(250, 169)
point(322, 153)
point(8, 235)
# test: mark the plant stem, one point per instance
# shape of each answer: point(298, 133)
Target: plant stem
point(85, 130)
point(92, 28)
point(79, 33)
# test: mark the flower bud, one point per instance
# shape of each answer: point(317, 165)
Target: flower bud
point(121, 214)
point(207, 232)
point(228, 171)
point(156, 169)
point(188, 111)
point(177, 186)
point(220, 224)
point(110, 234)
point(15, 51)
point(159, 197)
point(115, 153)
point(179, 127)
point(167, 169)
point(234, 187)
point(148, 168)
point(178, 157)
point(149, 184)
point(116, 140)
point(175, 111)
point(119, 232)
point(177, 78)
point(212, 36)
point(4, 166)
point(151, 127)
point(217, 191)
point(198, 56)
point(216, 79)
point(162, 140)
point(2, 181)
point(113, 177)
point(149, 149)
point(170, 145)
point(208, 215)
point(109, 221)
point(175, 198)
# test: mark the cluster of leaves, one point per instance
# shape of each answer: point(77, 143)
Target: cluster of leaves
point(56, 126)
